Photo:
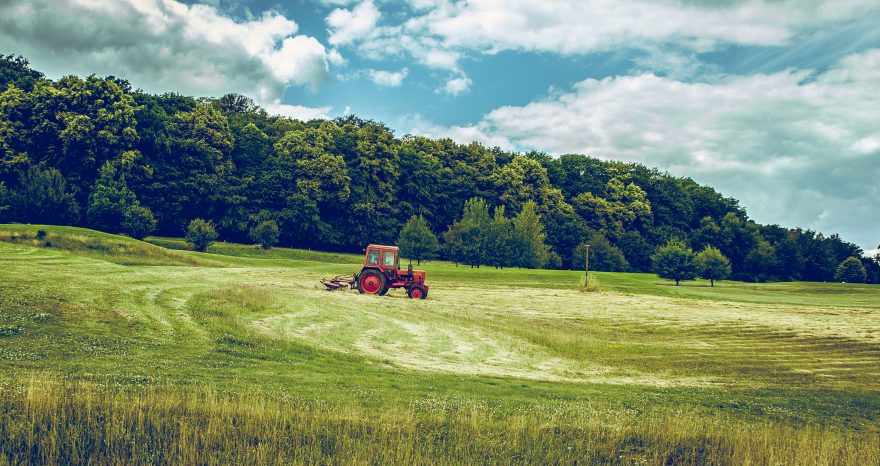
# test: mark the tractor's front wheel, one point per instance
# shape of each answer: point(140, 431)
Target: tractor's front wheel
point(371, 282)
point(417, 292)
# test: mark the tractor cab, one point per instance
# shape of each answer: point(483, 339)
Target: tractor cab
point(381, 272)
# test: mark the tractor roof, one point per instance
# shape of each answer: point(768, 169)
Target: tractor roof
point(381, 246)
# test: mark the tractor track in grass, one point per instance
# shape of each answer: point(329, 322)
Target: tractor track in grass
point(497, 331)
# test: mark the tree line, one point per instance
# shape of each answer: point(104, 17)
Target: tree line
point(95, 152)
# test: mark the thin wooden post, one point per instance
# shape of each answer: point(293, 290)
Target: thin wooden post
point(587, 267)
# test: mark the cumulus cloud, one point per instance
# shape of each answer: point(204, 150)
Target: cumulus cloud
point(349, 25)
point(165, 45)
point(388, 78)
point(456, 85)
point(797, 147)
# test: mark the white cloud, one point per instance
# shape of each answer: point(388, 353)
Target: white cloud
point(164, 45)
point(349, 25)
point(577, 26)
point(439, 32)
point(388, 78)
point(457, 85)
point(298, 112)
point(795, 147)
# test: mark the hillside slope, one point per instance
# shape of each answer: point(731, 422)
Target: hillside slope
point(499, 342)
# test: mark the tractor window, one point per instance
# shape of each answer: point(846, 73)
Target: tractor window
point(373, 257)
point(388, 260)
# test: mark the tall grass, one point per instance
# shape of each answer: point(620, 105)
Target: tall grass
point(51, 422)
point(590, 284)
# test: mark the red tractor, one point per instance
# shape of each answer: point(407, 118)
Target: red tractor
point(380, 273)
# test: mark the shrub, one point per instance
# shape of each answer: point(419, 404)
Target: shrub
point(851, 270)
point(200, 234)
point(41, 234)
point(138, 222)
point(554, 261)
point(604, 256)
point(265, 234)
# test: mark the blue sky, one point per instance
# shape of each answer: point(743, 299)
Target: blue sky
point(773, 102)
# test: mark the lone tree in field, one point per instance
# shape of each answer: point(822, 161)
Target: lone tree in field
point(265, 234)
point(674, 261)
point(851, 270)
point(417, 241)
point(200, 234)
point(712, 265)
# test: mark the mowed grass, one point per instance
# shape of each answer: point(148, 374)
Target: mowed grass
point(240, 356)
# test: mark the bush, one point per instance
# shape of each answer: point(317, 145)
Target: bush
point(41, 234)
point(200, 234)
point(851, 270)
point(265, 234)
point(43, 197)
point(138, 222)
point(554, 261)
point(604, 256)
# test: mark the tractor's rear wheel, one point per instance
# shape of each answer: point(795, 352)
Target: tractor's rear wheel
point(417, 292)
point(371, 282)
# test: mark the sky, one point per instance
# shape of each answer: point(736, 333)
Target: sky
point(773, 102)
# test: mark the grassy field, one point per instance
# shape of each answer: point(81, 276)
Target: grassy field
point(116, 350)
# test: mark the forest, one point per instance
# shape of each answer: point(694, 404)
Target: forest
point(95, 152)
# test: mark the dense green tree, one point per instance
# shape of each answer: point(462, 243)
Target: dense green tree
point(604, 256)
point(554, 261)
point(109, 200)
point(467, 239)
point(138, 221)
point(637, 250)
point(501, 240)
point(16, 71)
point(707, 234)
point(529, 235)
point(193, 181)
point(851, 270)
point(200, 234)
point(417, 241)
point(317, 173)
point(265, 233)
point(42, 197)
point(712, 265)
point(565, 230)
point(674, 261)
point(344, 183)
point(625, 207)
point(79, 124)
point(4, 202)
point(760, 262)
point(737, 238)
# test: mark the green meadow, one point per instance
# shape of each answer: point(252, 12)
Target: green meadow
point(114, 350)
